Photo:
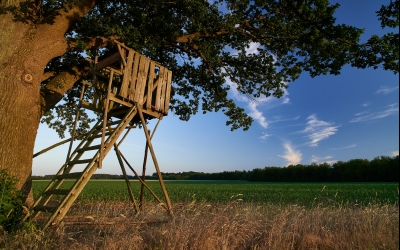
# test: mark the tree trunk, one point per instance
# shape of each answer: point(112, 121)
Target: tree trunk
point(26, 46)
point(24, 53)
point(19, 103)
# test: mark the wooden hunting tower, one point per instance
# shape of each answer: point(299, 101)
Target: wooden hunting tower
point(127, 88)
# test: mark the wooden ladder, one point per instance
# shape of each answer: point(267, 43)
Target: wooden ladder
point(55, 201)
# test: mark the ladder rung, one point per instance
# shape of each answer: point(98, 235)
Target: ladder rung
point(109, 124)
point(58, 191)
point(100, 135)
point(89, 148)
point(45, 209)
point(80, 161)
point(75, 175)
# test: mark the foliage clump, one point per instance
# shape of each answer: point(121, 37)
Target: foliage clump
point(254, 48)
point(11, 202)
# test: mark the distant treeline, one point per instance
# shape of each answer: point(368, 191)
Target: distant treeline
point(380, 169)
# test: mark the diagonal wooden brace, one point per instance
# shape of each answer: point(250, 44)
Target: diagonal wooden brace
point(153, 155)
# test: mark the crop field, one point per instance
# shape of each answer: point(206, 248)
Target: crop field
point(301, 194)
point(224, 215)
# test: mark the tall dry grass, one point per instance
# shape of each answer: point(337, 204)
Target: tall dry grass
point(211, 226)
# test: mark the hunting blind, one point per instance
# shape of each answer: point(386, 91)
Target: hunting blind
point(127, 89)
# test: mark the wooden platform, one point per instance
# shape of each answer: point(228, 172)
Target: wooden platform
point(128, 77)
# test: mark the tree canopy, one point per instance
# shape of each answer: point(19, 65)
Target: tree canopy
point(205, 45)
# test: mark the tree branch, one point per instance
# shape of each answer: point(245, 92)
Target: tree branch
point(188, 38)
point(47, 75)
point(54, 91)
point(51, 32)
point(91, 42)
point(197, 50)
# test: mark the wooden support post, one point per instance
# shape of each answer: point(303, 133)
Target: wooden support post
point(56, 145)
point(143, 183)
point(76, 122)
point(106, 104)
point(168, 92)
point(123, 138)
point(139, 109)
point(144, 164)
point(128, 184)
point(143, 175)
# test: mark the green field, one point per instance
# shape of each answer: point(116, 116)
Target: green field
point(302, 194)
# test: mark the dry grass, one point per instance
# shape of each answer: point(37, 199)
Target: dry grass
point(210, 226)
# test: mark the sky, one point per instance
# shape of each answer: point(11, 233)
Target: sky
point(354, 115)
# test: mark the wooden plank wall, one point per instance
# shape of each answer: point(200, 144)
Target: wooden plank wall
point(143, 81)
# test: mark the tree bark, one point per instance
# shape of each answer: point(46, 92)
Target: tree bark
point(25, 49)
point(19, 95)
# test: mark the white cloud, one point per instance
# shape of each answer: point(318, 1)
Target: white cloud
point(286, 100)
point(234, 92)
point(279, 119)
point(365, 104)
point(253, 104)
point(395, 153)
point(252, 49)
point(265, 136)
point(292, 156)
point(391, 109)
point(347, 147)
point(256, 114)
point(387, 90)
point(318, 130)
point(361, 113)
point(319, 160)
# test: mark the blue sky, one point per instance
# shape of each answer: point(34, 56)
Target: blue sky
point(322, 119)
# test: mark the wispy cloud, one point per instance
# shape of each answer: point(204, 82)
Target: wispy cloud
point(367, 116)
point(264, 136)
point(365, 104)
point(279, 119)
point(319, 160)
point(318, 130)
point(291, 156)
point(286, 100)
point(362, 113)
point(386, 90)
point(256, 114)
point(395, 153)
point(347, 147)
point(254, 104)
